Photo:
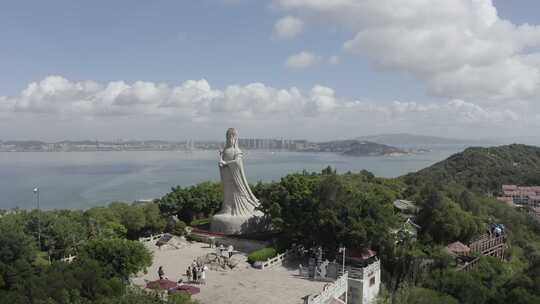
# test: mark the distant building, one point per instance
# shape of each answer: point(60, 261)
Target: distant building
point(537, 213)
point(407, 231)
point(271, 144)
point(521, 196)
point(405, 207)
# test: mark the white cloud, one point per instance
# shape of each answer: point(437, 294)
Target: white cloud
point(333, 60)
point(302, 60)
point(195, 101)
point(288, 27)
point(460, 48)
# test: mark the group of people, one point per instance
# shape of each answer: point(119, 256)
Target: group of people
point(496, 229)
point(227, 252)
point(196, 273)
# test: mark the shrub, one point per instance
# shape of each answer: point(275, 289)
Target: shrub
point(195, 238)
point(200, 222)
point(262, 255)
point(179, 228)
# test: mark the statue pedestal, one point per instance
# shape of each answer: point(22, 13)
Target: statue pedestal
point(230, 224)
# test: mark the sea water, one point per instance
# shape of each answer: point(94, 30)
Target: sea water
point(85, 179)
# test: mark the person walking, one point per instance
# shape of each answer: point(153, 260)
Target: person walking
point(221, 249)
point(194, 270)
point(189, 273)
point(160, 272)
point(203, 274)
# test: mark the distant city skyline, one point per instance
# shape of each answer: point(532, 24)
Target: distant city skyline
point(310, 69)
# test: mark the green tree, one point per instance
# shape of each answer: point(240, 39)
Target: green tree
point(64, 234)
point(462, 286)
point(443, 221)
point(418, 295)
point(98, 218)
point(120, 257)
point(353, 210)
point(113, 230)
point(132, 217)
point(179, 228)
point(193, 202)
point(154, 222)
point(17, 252)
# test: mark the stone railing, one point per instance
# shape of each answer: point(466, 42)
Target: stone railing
point(275, 260)
point(151, 238)
point(330, 291)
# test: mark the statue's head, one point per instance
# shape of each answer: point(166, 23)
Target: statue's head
point(231, 136)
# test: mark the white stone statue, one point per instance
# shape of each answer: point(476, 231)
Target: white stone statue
point(238, 209)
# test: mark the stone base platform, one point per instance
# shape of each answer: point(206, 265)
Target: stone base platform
point(230, 224)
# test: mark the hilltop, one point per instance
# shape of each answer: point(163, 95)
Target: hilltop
point(413, 139)
point(484, 170)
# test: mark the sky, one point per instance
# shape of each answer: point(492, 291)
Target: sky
point(314, 69)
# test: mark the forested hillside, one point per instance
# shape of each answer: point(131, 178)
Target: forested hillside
point(103, 239)
point(484, 170)
point(454, 206)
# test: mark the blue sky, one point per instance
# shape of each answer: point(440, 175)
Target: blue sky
point(234, 43)
point(172, 41)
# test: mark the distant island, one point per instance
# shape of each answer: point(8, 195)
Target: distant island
point(400, 139)
point(356, 148)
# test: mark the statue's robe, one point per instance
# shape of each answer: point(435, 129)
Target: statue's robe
point(238, 199)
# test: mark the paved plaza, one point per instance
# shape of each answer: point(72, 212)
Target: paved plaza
point(245, 285)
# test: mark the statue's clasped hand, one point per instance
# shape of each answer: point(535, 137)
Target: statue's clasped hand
point(222, 163)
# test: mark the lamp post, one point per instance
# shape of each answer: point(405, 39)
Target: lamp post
point(342, 250)
point(36, 192)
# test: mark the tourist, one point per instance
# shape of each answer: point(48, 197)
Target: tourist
point(160, 272)
point(199, 273)
point(188, 273)
point(194, 270)
point(230, 250)
point(220, 250)
point(203, 274)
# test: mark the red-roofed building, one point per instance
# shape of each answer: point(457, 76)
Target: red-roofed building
point(360, 254)
point(459, 249)
point(537, 212)
point(521, 196)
